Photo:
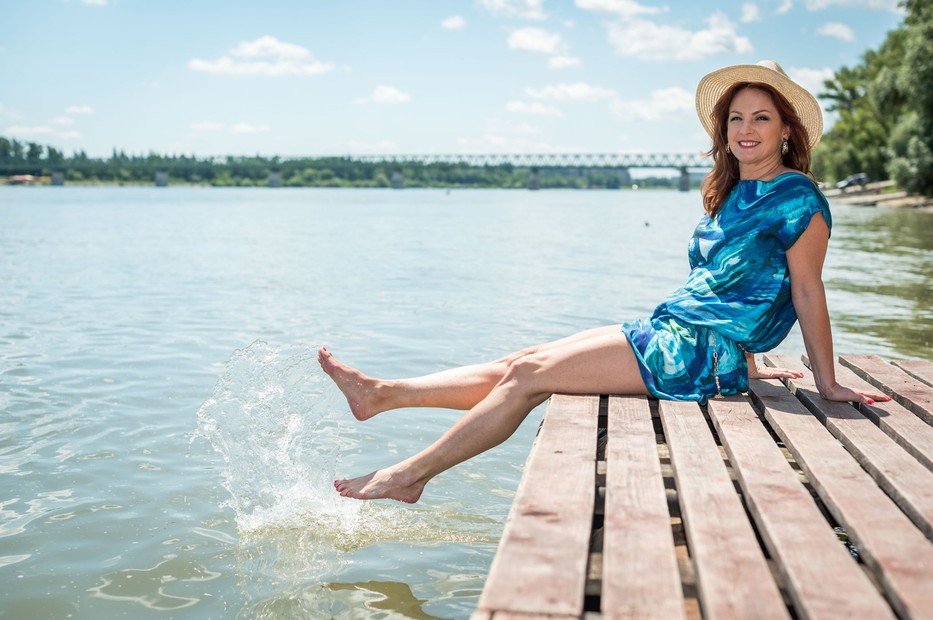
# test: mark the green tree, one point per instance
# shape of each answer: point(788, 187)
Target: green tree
point(863, 97)
point(911, 143)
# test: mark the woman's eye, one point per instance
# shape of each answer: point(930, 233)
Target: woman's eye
point(734, 118)
point(762, 118)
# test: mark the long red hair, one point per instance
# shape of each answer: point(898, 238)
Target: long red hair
point(725, 174)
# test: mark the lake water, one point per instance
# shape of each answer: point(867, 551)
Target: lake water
point(167, 441)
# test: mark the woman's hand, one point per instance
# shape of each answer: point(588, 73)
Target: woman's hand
point(842, 393)
point(767, 372)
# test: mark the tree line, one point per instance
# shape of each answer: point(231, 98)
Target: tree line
point(885, 109)
point(18, 158)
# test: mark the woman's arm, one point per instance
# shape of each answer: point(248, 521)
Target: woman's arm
point(805, 262)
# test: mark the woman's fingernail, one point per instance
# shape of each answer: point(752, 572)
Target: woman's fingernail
point(871, 401)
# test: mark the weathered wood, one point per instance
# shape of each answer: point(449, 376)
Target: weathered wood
point(823, 580)
point(540, 567)
point(733, 577)
point(518, 615)
point(901, 476)
point(901, 425)
point(902, 387)
point(918, 369)
point(640, 574)
point(896, 551)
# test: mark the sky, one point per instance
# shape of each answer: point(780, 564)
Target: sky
point(313, 77)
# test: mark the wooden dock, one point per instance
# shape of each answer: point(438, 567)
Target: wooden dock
point(777, 504)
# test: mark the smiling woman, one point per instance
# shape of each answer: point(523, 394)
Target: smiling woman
point(756, 263)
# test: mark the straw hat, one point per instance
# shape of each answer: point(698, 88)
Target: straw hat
point(714, 85)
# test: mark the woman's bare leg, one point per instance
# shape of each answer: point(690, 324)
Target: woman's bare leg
point(457, 388)
point(599, 364)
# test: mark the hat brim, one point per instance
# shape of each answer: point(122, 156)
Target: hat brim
point(714, 85)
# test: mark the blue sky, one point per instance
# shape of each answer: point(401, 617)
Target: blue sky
point(315, 77)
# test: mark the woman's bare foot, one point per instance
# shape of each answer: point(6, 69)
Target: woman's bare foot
point(381, 484)
point(362, 392)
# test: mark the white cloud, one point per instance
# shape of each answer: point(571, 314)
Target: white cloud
point(270, 46)
point(95, 2)
point(533, 108)
point(385, 94)
point(750, 13)
point(1, 108)
point(881, 5)
point(811, 79)
point(455, 22)
point(535, 40)
point(664, 103)
point(248, 128)
point(786, 6)
point(526, 129)
point(562, 62)
point(491, 142)
point(579, 91)
point(625, 9)
point(240, 127)
point(79, 109)
point(526, 9)
point(40, 131)
point(364, 148)
point(208, 126)
point(837, 30)
point(62, 120)
point(650, 41)
point(266, 56)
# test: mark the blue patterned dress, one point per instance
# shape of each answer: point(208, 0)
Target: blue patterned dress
point(737, 297)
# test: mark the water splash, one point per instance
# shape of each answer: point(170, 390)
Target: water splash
point(273, 418)
point(280, 425)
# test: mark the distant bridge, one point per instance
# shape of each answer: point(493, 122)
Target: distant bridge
point(537, 162)
point(680, 161)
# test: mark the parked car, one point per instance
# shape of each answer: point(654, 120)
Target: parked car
point(853, 180)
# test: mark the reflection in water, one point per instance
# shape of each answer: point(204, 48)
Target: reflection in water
point(880, 275)
point(150, 587)
point(384, 596)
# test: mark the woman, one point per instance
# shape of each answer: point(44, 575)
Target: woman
point(756, 260)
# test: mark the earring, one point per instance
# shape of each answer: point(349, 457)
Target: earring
point(784, 147)
point(728, 148)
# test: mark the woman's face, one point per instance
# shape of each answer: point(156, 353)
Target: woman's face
point(754, 128)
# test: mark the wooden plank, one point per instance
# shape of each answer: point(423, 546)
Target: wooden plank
point(903, 388)
point(733, 578)
point(540, 566)
point(901, 425)
point(823, 580)
point(897, 552)
point(640, 574)
point(901, 476)
point(918, 369)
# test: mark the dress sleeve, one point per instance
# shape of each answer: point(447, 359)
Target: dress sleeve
point(802, 202)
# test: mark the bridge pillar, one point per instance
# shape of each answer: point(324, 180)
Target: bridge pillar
point(398, 180)
point(684, 180)
point(534, 178)
point(58, 178)
point(275, 180)
point(161, 179)
point(625, 177)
